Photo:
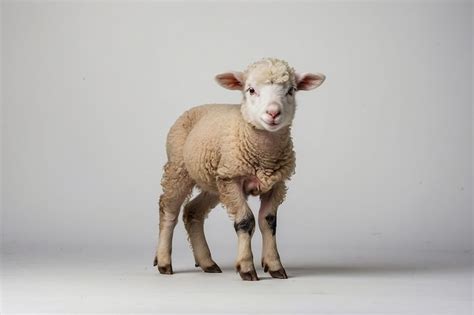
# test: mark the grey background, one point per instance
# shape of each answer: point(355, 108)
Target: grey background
point(384, 146)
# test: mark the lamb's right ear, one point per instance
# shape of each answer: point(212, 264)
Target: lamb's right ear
point(231, 80)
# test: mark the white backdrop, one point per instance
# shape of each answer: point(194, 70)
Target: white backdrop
point(384, 146)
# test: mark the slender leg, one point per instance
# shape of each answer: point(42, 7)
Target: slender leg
point(177, 186)
point(195, 213)
point(234, 199)
point(267, 221)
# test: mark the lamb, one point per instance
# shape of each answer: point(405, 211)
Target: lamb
point(230, 152)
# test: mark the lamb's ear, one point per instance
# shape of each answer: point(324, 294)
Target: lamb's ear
point(309, 81)
point(231, 80)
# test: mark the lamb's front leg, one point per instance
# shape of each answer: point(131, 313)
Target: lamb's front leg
point(234, 200)
point(267, 219)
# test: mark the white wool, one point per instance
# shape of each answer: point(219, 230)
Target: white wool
point(271, 70)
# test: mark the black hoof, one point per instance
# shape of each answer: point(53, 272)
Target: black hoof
point(279, 274)
point(165, 270)
point(248, 276)
point(212, 269)
point(155, 262)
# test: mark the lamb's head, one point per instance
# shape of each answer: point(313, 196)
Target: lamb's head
point(269, 88)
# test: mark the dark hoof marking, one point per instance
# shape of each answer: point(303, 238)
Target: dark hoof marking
point(249, 276)
point(272, 222)
point(196, 265)
point(246, 225)
point(212, 269)
point(279, 274)
point(165, 270)
point(155, 262)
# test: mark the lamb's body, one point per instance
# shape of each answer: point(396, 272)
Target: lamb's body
point(213, 142)
point(230, 152)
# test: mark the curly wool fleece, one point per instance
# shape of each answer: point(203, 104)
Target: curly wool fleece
point(271, 70)
point(214, 142)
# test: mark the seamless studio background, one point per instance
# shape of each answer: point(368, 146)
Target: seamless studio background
point(384, 146)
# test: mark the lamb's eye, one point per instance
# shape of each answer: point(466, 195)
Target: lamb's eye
point(251, 90)
point(290, 91)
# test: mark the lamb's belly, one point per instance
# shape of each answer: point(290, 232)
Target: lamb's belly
point(206, 185)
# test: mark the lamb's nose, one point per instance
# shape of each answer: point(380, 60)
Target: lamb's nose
point(274, 113)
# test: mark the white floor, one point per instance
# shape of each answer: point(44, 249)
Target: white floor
point(331, 282)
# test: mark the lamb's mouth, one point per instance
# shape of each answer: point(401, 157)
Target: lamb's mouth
point(272, 124)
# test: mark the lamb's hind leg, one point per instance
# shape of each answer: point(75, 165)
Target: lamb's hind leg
point(177, 186)
point(195, 213)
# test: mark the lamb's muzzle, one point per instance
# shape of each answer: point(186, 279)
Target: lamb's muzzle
point(230, 152)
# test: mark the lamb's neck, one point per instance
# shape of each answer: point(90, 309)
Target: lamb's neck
point(265, 147)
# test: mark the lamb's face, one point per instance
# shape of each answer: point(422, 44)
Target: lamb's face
point(268, 106)
point(269, 87)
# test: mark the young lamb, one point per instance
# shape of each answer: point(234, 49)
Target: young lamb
point(230, 152)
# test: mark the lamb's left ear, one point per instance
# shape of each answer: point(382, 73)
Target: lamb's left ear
point(231, 80)
point(309, 81)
